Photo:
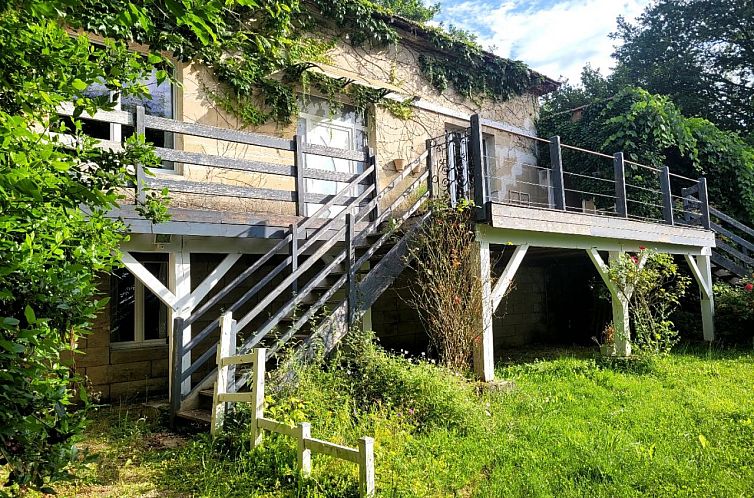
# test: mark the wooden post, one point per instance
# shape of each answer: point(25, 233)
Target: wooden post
point(227, 324)
point(141, 178)
point(366, 467)
point(621, 319)
point(431, 173)
point(304, 454)
point(484, 366)
point(701, 269)
point(177, 370)
point(294, 255)
point(476, 153)
point(372, 162)
point(556, 162)
point(667, 197)
point(298, 163)
point(257, 386)
point(351, 271)
point(704, 203)
point(621, 204)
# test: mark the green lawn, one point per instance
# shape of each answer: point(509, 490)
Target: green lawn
point(683, 426)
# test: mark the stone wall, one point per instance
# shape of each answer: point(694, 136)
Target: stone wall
point(120, 373)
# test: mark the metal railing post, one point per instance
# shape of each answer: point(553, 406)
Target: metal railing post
point(556, 162)
point(704, 203)
point(621, 204)
point(667, 198)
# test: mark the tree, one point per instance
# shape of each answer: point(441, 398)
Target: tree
point(649, 129)
point(415, 10)
point(55, 235)
point(698, 52)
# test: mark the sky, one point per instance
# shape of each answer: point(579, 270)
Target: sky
point(554, 37)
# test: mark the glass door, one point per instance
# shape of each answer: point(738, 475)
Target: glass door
point(342, 128)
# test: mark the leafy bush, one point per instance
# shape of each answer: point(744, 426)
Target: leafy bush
point(654, 291)
point(734, 311)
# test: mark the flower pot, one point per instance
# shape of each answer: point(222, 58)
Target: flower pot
point(399, 164)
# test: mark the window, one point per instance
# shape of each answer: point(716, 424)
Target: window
point(343, 128)
point(161, 103)
point(137, 316)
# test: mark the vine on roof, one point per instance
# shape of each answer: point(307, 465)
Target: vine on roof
point(263, 51)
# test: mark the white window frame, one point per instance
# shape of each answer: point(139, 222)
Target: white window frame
point(139, 317)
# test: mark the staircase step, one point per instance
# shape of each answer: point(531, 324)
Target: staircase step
point(196, 415)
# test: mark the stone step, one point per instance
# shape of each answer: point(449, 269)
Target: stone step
point(195, 415)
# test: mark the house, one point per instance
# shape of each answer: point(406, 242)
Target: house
point(282, 225)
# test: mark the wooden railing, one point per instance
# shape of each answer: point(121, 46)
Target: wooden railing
point(302, 251)
point(225, 391)
point(298, 170)
point(734, 244)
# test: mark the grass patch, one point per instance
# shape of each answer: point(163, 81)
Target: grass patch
point(680, 426)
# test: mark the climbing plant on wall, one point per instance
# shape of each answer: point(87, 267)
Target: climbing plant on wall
point(261, 50)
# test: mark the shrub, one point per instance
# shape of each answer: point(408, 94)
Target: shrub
point(654, 291)
point(734, 311)
point(448, 293)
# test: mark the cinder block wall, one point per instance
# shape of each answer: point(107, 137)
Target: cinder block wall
point(395, 323)
point(522, 316)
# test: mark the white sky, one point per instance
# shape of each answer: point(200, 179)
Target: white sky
point(554, 37)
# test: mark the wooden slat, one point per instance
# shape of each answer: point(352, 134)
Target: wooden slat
point(321, 150)
point(232, 163)
point(275, 426)
point(220, 189)
point(332, 449)
point(732, 236)
point(336, 176)
point(729, 265)
point(241, 359)
point(724, 217)
point(235, 397)
point(217, 133)
point(722, 246)
point(116, 117)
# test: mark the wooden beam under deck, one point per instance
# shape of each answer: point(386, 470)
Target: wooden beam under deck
point(519, 225)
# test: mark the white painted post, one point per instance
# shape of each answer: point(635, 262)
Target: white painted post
point(227, 324)
point(506, 278)
point(180, 282)
point(366, 467)
point(701, 268)
point(304, 454)
point(257, 387)
point(484, 361)
point(621, 319)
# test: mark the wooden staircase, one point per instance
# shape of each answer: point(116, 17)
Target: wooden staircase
point(310, 288)
point(733, 255)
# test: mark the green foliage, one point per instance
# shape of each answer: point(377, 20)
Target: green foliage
point(654, 291)
point(650, 130)
point(698, 52)
point(415, 10)
point(569, 429)
point(734, 311)
point(55, 237)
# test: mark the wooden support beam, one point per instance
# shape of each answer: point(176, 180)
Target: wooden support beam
point(189, 302)
point(484, 361)
point(621, 319)
point(179, 269)
point(150, 281)
point(701, 268)
point(476, 153)
point(257, 411)
point(556, 162)
point(298, 163)
point(504, 281)
point(221, 384)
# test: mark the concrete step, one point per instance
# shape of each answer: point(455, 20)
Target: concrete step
point(195, 415)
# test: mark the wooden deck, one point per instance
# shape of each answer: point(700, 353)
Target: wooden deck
point(551, 228)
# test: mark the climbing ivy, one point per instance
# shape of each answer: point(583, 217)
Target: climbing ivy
point(261, 51)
